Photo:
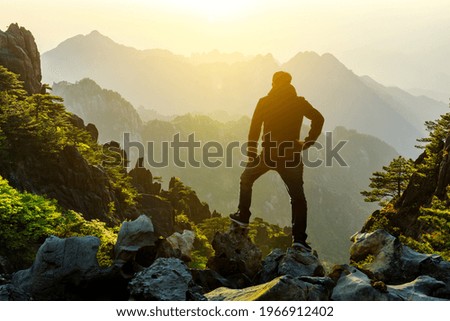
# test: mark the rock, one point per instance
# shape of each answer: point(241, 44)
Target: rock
point(283, 288)
point(83, 187)
point(90, 128)
point(161, 213)
point(60, 265)
point(9, 292)
point(135, 244)
point(440, 270)
point(77, 121)
point(191, 205)
point(444, 171)
point(394, 263)
point(167, 279)
point(184, 243)
point(292, 262)
point(93, 131)
point(19, 53)
point(354, 285)
point(270, 264)
point(235, 254)
point(209, 280)
point(319, 288)
point(142, 179)
point(424, 288)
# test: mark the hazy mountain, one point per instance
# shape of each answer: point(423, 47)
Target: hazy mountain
point(421, 69)
point(172, 84)
point(216, 56)
point(356, 102)
point(112, 114)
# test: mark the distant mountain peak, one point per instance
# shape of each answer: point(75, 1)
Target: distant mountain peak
point(95, 33)
point(92, 39)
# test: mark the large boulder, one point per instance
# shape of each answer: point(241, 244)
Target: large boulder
point(135, 246)
point(60, 265)
point(386, 259)
point(19, 53)
point(235, 254)
point(167, 279)
point(291, 262)
point(283, 288)
point(354, 285)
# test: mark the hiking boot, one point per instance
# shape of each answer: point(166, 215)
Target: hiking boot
point(302, 246)
point(238, 219)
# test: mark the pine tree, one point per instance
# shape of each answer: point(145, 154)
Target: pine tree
point(389, 184)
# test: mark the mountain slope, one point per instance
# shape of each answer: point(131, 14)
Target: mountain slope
point(112, 115)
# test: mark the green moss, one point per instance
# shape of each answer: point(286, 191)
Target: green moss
point(26, 220)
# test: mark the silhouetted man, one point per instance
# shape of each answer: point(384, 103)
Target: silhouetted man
point(281, 114)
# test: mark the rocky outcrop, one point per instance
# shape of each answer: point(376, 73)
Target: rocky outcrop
point(167, 279)
point(60, 264)
point(384, 258)
point(190, 205)
point(423, 186)
point(444, 171)
point(19, 53)
point(354, 285)
point(67, 269)
point(142, 179)
point(90, 128)
point(161, 213)
point(236, 255)
point(135, 246)
point(74, 183)
point(283, 288)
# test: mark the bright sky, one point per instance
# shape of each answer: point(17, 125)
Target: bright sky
point(360, 33)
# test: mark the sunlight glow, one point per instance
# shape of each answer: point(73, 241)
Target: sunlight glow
point(214, 10)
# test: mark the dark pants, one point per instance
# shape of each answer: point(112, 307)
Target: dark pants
point(293, 179)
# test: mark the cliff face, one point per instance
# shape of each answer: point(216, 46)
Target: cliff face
point(19, 53)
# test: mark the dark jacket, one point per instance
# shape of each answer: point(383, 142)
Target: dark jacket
point(281, 114)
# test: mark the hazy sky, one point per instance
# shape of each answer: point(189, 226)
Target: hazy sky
point(395, 41)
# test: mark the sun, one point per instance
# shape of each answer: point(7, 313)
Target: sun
point(214, 10)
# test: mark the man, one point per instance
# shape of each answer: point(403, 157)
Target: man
point(281, 113)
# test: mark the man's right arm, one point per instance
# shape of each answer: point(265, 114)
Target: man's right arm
point(255, 131)
point(317, 121)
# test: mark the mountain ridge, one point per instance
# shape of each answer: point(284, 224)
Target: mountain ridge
point(172, 84)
